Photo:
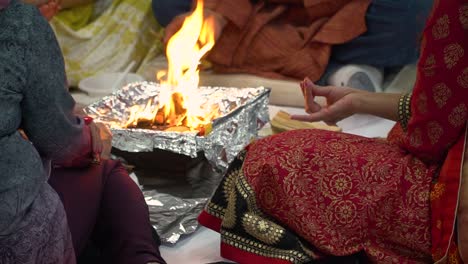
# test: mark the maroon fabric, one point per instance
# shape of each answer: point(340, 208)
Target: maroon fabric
point(4, 3)
point(103, 204)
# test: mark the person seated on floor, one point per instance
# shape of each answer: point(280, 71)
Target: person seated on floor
point(50, 220)
point(98, 36)
point(305, 196)
point(341, 43)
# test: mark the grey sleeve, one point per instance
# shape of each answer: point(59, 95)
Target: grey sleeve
point(47, 106)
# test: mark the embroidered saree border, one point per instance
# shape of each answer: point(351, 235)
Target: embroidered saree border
point(261, 232)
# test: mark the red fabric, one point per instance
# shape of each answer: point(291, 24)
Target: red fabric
point(440, 96)
point(210, 221)
point(439, 114)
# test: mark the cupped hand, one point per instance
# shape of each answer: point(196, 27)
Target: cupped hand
point(219, 23)
point(340, 102)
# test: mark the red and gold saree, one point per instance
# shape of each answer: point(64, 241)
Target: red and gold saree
point(303, 196)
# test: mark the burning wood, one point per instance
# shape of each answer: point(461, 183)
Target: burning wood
point(179, 101)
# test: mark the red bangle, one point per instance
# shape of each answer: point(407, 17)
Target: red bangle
point(88, 120)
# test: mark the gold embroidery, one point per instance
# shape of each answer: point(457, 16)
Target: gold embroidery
point(229, 182)
point(416, 138)
point(292, 256)
point(437, 191)
point(452, 54)
point(464, 15)
point(263, 230)
point(229, 219)
point(441, 94)
point(429, 66)
point(345, 212)
point(422, 103)
point(441, 28)
point(215, 210)
point(434, 131)
point(463, 78)
point(458, 116)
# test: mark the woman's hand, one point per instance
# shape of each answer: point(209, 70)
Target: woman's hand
point(219, 22)
point(101, 140)
point(341, 102)
point(48, 8)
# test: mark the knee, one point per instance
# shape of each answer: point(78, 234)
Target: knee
point(165, 10)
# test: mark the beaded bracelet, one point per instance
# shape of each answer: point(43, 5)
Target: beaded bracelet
point(404, 110)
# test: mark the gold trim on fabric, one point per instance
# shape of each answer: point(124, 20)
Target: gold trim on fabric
point(215, 210)
point(262, 229)
point(230, 218)
point(263, 250)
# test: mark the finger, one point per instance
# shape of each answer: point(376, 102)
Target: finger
point(313, 117)
point(96, 139)
point(301, 84)
point(312, 106)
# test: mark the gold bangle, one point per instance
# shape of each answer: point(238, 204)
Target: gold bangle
point(404, 110)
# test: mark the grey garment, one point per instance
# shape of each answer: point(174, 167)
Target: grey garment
point(33, 96)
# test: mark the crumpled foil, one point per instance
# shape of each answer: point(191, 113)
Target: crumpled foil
point(244, 112)
point(173, 217)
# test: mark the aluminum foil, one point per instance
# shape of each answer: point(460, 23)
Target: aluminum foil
point(173, 217)
point(244, 111)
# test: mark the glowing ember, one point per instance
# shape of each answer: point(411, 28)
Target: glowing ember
point(179, 102)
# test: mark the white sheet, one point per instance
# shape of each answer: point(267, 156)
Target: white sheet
point(203, 246)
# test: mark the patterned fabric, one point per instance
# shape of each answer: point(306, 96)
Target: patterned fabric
point(308, 194)
point(33, 96)
point(305, 194)
point(440, 110)
point(109, 40)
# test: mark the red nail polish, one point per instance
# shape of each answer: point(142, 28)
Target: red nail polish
point(88, 120)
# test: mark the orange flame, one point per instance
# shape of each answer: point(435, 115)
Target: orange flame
point(179, 101)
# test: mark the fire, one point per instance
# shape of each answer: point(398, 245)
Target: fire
point(179, 101)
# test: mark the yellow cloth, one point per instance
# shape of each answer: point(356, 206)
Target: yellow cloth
point(78, 17)
point(123, 32)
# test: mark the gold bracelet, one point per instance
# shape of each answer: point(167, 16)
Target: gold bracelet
point(404, 110)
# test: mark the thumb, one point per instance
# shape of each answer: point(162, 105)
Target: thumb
point(313, 117)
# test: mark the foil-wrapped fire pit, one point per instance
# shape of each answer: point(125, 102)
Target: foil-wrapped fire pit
point(242, 112)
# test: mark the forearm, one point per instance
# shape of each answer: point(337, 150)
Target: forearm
point(383, 105)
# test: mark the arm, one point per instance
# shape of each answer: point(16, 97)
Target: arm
point(47, 107)
point(343, 102)
point(378, 104)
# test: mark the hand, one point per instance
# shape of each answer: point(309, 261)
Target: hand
point(340, 102)
point(218, 20)
point(101, 140)
point(49, 9)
